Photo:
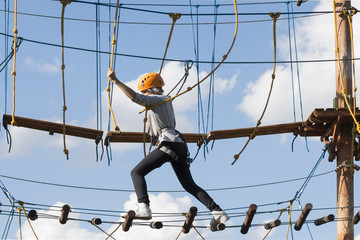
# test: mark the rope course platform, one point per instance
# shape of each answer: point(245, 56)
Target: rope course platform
point(322, 122)
point(52, 127)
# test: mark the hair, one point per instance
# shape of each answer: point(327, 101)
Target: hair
point(156, 90)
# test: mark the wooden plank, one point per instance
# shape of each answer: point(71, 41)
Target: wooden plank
point(52, 127)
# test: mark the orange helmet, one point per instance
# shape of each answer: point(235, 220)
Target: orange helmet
point(150, 80)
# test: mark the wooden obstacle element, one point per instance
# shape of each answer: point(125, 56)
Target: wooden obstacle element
point(128, 220)
point(64, 214)
point(33, 215)
point(272, 224)
point(249, 217)
point(156, 225)
point(96, 221)
point(305, 212)
point(217, 227)
point(190, 216)
point(52, 127)
point(326, 219)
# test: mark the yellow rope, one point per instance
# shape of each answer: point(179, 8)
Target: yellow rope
point(290, 210)
point(339, 66)
point(27, 218)
point(114, 231)
point(349, 17)
point(274, 16)
point(19, 209)
point(224, 58)
point(64, 3)
point(111, 66)
point(174, 16)
point(198, 232)
point(101, 229)
point(13, 122)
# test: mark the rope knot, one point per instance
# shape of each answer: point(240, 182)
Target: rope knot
point(13, 73)
point(116, 128)
point(225, 56)
point(145, 119)
point(15, 30)
point(189, 89)
point(65, 2)
point(13, 123)
point(66, 153)
point(63, 66)
point(113, 42)
point(108, 89)
point(273, 76)
point(236, 157)
point(64, 108)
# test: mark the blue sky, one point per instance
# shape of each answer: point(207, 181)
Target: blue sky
point(240, 94)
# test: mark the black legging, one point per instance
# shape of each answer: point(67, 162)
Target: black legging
point(155, 160)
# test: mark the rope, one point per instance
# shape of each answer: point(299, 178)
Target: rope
point(290, 209)
point(113, 231)
point(174, 16)
point(64, 3)
point(32, 229)
point(113, 42)
point(100, 229)
point(349, 17)
point(224, 58)
point(274, 16)
point(19, 210)
point(13, 73)
point(339, 65)
point(198, 232)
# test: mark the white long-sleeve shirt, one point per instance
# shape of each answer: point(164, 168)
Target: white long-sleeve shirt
point(162, 118)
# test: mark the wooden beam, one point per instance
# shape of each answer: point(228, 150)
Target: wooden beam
point(52, 127)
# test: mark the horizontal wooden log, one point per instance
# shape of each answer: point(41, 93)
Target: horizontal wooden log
point(52, 127)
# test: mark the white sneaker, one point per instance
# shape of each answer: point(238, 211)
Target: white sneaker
point(143, 212)
point(218, 217)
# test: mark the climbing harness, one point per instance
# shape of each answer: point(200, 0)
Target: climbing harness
point(64, 3)
point(224, 58)
point(274, 16)
point(113, 42)
point(13, 73)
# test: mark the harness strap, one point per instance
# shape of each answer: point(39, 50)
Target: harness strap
point(170, 152)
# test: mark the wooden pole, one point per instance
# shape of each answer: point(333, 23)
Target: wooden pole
point(345, 184)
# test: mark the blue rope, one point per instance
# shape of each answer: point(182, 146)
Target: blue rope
point(6, 22)
point(98, 78)
point(298, 71)
point(291, 64)
point(211, 99)
point(307, 180)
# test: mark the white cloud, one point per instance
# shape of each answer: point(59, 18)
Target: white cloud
point(315, 40)
point(42, 66)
